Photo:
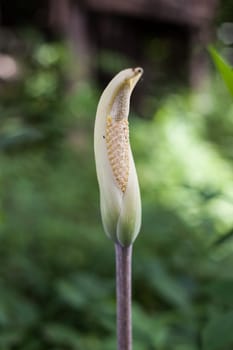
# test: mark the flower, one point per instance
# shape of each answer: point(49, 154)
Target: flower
point(120, 200)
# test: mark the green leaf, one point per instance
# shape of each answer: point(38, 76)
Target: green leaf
point(80, 290)
point(16, 310)
point(218, 333)
point(71, 295)
point(10, 337)
point(165, 284)
point(224, 68)
point(222, 291)
point(145, 325)
point(60, 334)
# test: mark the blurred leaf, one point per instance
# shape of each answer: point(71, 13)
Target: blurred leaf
point(112, 61)
point(60, 334)
point(42, 84)
point(149, 329)
point(222, 291)
point(224, 68)
point(71, 295)
point(23, 137)
point(49, 54)
point(16, 310)
point(9, 338)
point(83, 289)
point(224, 238)
point(163, 282)
point(218, 335)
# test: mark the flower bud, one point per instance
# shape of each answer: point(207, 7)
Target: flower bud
point(120, 200)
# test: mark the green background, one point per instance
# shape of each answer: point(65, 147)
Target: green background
point(57, 286)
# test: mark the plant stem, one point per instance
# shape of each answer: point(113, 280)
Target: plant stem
point(123, 291)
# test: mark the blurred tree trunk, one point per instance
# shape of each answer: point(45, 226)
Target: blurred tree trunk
point(70, 20)
point(200, 38)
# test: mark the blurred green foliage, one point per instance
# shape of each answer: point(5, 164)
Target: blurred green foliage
point(224, 68)
point(57, 288)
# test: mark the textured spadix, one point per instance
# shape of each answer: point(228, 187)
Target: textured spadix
point(119, 190)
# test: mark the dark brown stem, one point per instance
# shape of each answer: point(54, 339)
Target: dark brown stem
point(123, 290)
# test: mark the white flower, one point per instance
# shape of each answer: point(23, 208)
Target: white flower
point(119, 190)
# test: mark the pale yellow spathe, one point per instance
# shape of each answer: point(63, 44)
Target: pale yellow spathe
point(118, 183)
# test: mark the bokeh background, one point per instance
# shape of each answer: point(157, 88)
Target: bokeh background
point(57, 287)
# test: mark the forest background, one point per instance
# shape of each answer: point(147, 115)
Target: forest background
point(57, 288)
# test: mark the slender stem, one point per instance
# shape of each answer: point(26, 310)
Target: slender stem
point(123, 290)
